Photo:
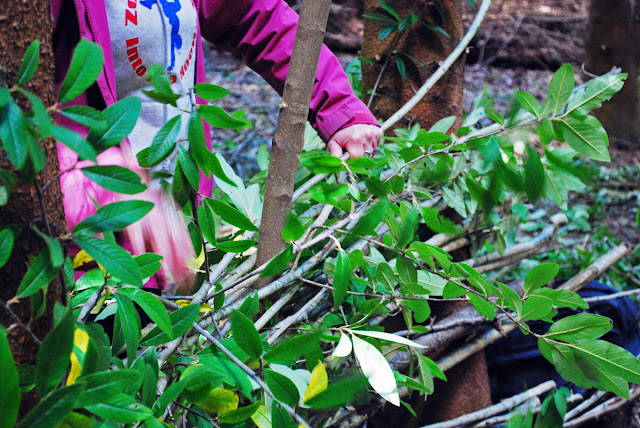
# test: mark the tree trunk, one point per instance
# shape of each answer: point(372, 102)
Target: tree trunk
point(613, 39)
point(288, 140)
point(20, 23)
point(429, 48)
point(468, 386)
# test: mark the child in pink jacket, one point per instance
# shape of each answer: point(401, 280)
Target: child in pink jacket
point(135, 34)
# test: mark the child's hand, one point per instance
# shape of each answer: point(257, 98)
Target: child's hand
point(357, 139)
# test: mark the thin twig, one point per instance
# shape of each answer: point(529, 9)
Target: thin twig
point(197, 413)
point(19, 322)
point(251, 374)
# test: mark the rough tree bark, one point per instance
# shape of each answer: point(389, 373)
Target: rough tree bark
point(288, 140)
point(468, 386)
point(613, 39)
point(427, 46)
point(22, 22)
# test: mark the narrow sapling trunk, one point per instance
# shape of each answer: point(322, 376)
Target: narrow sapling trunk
point(289, 137)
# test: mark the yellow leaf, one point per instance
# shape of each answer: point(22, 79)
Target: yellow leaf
point(262, 417)
point(81, 339)
point(81, 258)
point(75, 369)
point(197, 263)
point(204, 308)
point(219, 400)
point(318, 383)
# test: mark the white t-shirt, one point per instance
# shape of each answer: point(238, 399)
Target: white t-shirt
point(146, 32)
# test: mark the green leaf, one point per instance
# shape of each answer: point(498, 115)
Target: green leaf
point(533, 174)
point(392, 11)
point(129, 322)
point(280, 417)
point(85, 115)
point(282, 387)
point(6, 245)
point(231, 215)
point(562, 298)
point(39, 274)
point(219, 400)
point(99, 385)
point(148, 264)
point(586, 137)
point(578, 327)
point(122, 409)
point(14, 133)
point(205, 160)
point(536, 307)
point(152, 307)
point(30, 62)
point(240, 414)
point(402, 69)
point(292, 348)
point(339, 393)
point(210, 92)
point(560, 88)
point(234, 246)
point(181, 322)
point(113, 217)
point(341, 278)
point(115, 259)
point(528, 102)
point(596, 92)
point(245, 334)
point(246, 200)
point(74, 141)
point(293, 228)
point(189, 167)
point(10, 389)
point(553, 189)
point(85, 68)
point(540, 276)
point(53, 408)
point(484, 307)
point(115, 178)
point(218, 118)
point(53, 356)
point(511, 299)
point(279, 263)
point(38, 113)
point(380, 19)
point(377, 370)
point(170, 394)
point(163, 142)
point(121, 117)
point(207, 223)
point(321, 162)
point(161, 92)
point(55, 250)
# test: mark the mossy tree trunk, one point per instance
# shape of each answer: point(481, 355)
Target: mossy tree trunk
point(20, 23)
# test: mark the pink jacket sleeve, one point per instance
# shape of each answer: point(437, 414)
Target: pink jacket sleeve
point(263, 31)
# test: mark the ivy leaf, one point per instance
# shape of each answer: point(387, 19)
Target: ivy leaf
point(377, 370)
point(560, 88)
point(115, 259)
point(115, 178)
point(85, 67)
point(540, 276)
point(586, 137)
point(210, 92)
point(10, 391)
point(578, 327)
point(245, 334)
point(53, 356)
point(115, 216)
point(342, 278)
